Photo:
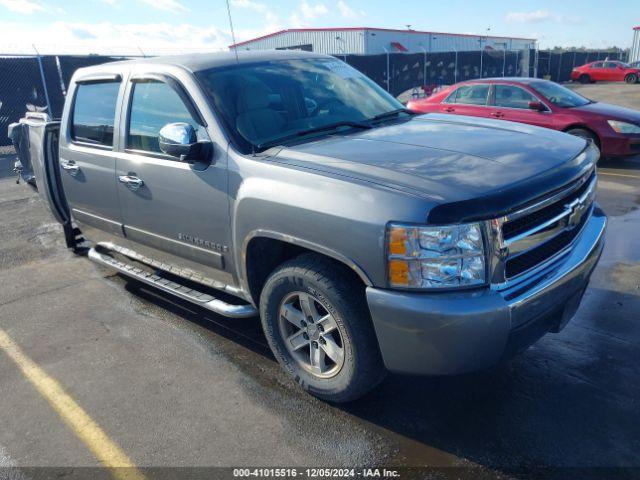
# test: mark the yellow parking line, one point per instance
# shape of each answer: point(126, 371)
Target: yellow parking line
point(102, 447)
point(618, 174)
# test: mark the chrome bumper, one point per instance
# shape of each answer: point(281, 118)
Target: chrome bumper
point(452, 333)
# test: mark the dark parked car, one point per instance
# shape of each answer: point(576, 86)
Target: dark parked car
point(289, 185)
point(605, 71)
point(615, 130)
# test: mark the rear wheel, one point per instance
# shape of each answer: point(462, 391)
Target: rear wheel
point(631, 78)
point(584, 78)
point(316, 321)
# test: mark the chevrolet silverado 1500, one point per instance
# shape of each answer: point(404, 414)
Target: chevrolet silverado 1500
point(288, 185)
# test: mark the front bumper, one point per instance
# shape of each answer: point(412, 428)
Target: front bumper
point(452, 333)
point(618, 145)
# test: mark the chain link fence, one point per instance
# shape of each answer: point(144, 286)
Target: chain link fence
point(39, 82)
point(557, 66)
point(36, 83)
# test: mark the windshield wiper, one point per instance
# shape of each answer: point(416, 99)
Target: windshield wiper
point(333, 126)
point(392, 113)
point(302, 133)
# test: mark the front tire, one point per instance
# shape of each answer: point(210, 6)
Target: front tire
point(631, 78)
point(316, 320)
point(584, 133)
point(584, 79)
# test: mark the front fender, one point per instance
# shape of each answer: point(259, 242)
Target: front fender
point(341, 217)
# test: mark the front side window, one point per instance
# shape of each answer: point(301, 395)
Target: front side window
point(272, 101)
point(94, 113)
point(155, 104)
point(510, 96)
point(470, 95)
point(559, 95)
point(597, 65)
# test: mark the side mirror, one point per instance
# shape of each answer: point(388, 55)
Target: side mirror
point(180, 140)
point(538, 106)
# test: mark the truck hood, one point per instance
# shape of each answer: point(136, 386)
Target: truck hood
point(481, 166)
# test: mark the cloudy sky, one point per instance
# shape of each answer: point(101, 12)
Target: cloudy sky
point(108, 26)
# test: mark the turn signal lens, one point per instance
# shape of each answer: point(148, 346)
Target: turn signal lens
point(399, 272)
point(398, 241)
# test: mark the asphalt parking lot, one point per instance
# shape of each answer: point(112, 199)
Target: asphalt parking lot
point(174, 386)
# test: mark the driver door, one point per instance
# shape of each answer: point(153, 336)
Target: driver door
point(172, 210)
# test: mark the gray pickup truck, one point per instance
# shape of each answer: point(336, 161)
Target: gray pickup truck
point(288, 185)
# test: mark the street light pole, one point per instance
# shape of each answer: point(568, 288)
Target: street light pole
point(424, 78)
point(455, 66)
point(481, 50)
point(480, 57)
point(388, 82)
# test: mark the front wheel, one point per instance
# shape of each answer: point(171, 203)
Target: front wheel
point(584, 133)
point(584, 79)
point(631, 78)
point(316, 320)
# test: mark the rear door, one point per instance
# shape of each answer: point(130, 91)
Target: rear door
point(468, 100)
point(597, 72)
point(511, 102)
point(87, 157)
point(174, 208)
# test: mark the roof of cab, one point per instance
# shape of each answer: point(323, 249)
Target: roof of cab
point(201, 61)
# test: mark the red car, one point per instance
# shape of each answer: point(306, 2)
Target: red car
point(615, 130)
point(606, 71)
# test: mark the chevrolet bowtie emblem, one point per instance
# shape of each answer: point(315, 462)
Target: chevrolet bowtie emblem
point(577, 208)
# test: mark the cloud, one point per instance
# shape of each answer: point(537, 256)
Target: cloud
point(537, 16)
point(258, 7)
point(115, 39)
point(313, 11)
point(173, 6)
point(347, 12)
point(26, 7)
point(528, 17)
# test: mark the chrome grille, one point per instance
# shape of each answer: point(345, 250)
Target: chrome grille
point(531, 237)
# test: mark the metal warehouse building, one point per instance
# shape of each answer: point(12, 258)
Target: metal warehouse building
point(372, 41)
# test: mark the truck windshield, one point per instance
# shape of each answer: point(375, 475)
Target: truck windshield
point(292, 100)
point(559, 95)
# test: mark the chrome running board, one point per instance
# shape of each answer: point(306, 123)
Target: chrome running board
point(205, 300)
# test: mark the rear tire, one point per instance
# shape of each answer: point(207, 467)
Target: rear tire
point(631, 78)
point(316, 320)
point(584, 78)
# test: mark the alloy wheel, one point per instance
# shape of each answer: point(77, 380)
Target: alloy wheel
point(311, 334)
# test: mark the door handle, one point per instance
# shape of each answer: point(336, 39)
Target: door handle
point(70, 166)
point(497, 114)
point(449, 109)
point(131, 181)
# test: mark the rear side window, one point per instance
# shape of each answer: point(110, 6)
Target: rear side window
point(154, 105)
point(470, 95)
point(94, 113)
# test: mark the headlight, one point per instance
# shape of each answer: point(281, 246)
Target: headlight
point(623, 127)
point(435, 257)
